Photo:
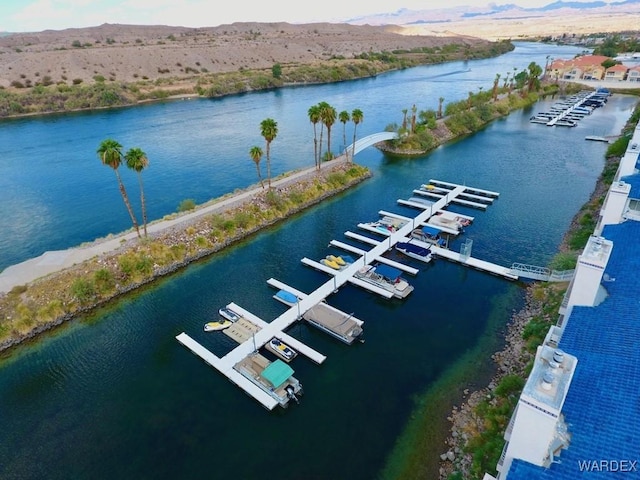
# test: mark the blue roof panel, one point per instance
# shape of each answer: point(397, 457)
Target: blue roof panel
point(602, 408)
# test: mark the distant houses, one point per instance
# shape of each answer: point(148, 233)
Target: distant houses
point(589, 67)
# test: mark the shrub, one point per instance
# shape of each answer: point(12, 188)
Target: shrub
point(186, 205)
point(77, 81)
point(83, 290)
point(76, 44)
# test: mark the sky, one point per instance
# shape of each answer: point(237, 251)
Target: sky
point(38, 15)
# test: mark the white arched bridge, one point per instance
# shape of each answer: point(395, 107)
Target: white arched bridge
point(368, 141)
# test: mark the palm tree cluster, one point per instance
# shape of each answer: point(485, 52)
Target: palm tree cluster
point(326, 115)
point(110, 154)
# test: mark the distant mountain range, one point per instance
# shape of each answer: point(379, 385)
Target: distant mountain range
point(405, 16)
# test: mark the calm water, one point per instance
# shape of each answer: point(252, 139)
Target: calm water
point(116, 396)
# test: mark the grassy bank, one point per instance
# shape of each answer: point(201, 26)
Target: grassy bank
point(28, 310)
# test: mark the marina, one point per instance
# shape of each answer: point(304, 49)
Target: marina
point(273, 383)
point(569, 112)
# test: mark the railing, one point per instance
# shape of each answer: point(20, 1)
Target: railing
point(365, 142)
point(541, 273)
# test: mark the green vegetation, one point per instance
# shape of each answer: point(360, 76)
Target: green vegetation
point(100, 279)
point(105, 92)
point(186, 205)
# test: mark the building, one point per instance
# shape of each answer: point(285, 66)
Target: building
point(633, 74)
point(579, 413)
point(584, 67)
point(616, 72)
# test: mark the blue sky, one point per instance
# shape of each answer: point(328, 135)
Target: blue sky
point(37, 15)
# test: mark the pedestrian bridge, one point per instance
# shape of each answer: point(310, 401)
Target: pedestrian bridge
point(365, 142)
point(541, 273)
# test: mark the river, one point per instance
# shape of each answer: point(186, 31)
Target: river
point(114, 395)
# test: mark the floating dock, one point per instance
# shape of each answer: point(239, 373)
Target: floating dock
point(344, 327)
point(253, 333)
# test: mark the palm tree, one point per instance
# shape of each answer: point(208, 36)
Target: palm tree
point(256, 155)
point(496, 81)
point(269, 130)
point(414, 109)
point(328, 116)
point(314, 118)
point(356, 117)
point(137, 160)
point(344, 118)
point(321, 107)
point(110, 153)
point(440, 102)
point(404, 118)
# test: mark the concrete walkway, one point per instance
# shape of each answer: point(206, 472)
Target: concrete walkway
point(54, 261)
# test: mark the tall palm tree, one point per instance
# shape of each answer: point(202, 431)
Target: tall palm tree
point(321, 107)
point(356, 117)
point(344, 118)
point(314, 118)
point(256, 155)
point(494, 92)
point(414, 109)
point(404, 118)
point(440, 102)
point(110, 154)
point(269, 130)
point(137, 160)
point(328, 115)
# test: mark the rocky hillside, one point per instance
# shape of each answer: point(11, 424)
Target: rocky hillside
point(128, 52)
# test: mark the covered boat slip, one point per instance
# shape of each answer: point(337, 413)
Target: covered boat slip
point(311, 303)
point(329, 319)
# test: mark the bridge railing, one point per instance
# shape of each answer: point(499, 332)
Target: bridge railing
point(369, 140)
point(541, 273)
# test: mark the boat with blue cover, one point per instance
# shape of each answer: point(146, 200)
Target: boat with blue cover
point(415, 251)
point(429, 234)
point(287, 298)
point(386, 277)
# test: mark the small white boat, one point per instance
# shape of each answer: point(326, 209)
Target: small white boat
point(386, 277)
point(449, 220)
point(415, 251)
point(228, 314)
point(281, 349)
point(217, 325)
point(429, 234)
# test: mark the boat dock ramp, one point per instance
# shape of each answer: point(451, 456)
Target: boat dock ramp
point(252, 333)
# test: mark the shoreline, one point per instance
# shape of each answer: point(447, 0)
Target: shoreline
point(512, 359)
point(63, 268)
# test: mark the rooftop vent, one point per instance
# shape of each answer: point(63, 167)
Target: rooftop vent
point(547, 381)
point(558, 356)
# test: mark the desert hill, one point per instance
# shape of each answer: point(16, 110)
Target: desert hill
point(134, 52)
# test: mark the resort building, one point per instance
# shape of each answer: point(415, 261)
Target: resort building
point(616, 72)
point(579, 411)
point(633, 74)
point(584, 67)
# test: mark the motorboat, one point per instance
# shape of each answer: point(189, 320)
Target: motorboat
point(217, 325)
point(274, 378)
point(386, 225)
point(449, 220)
point(385, 277)
point(281, 349)
point(415, 251)
point(429, 234)
point(228, 314)
point(287, 297)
